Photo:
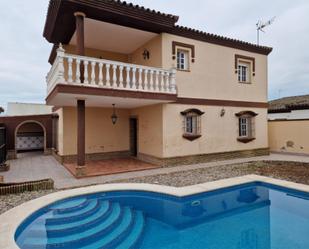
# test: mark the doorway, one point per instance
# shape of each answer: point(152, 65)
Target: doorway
point(133, 137)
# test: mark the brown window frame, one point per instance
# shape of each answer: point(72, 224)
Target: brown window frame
point(249, 116)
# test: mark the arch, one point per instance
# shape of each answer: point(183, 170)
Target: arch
point(26, 122)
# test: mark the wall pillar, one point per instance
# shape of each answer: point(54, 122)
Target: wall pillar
point(80, 50)
point(80, 132)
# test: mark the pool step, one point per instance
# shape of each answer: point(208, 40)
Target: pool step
point(76, 215)
point(77, 226)
point(109, 226)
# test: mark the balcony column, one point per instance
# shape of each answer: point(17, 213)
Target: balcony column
point(80, 133)
point(80, 50)
point(80, 39)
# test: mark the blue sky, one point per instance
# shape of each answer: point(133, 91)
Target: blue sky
point(24, 51)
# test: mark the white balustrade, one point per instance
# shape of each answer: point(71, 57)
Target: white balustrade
point(69, 69)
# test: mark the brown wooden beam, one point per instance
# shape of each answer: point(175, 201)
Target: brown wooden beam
point(80, 39)
point(80, 132)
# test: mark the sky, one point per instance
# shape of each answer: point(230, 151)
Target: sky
point(24, 52)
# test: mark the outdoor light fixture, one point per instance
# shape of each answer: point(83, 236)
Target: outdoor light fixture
point(146, 54)
point(222, 112)
point(114, 117)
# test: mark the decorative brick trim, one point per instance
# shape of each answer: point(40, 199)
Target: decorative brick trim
point(20, 187)
point(92, 156)
point(202, 158)
point(184, 45)
point(247, 58)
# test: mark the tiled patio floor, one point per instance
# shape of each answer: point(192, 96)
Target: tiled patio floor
point(111, 166)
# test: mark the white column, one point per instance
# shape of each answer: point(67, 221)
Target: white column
point(70, 61)
point(114, 75)
point(86, 80)
point(100, 74)
point(108, 83)
point(92, 82)
point(60, 57)
point(77, 79)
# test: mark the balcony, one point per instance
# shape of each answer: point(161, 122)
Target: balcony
point(109, 78)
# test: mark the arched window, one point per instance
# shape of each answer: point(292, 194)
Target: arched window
point(246, 124)
point(192, 123)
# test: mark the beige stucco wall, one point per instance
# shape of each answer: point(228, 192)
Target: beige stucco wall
point(150, 129)
point(289, 136)
point(212, 75)
point(98, 53)
point(219, 134)
point(154, 46)
point(101, 135)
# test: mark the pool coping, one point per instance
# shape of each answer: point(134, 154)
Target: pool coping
point(10, 220)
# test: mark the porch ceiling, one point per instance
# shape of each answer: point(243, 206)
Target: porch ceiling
point(111, 37)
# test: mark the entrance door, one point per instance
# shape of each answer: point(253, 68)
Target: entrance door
point(133, 136)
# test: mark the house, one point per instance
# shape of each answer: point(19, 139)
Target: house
point(288, 124)
point(128, 81)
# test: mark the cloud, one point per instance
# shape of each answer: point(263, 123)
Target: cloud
point(24, 52)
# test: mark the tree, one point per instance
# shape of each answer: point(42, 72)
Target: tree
point(1, 109)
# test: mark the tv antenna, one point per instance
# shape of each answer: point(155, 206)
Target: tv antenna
point(260, 27)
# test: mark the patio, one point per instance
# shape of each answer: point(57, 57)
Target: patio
point(110, 166)
point(38, 167)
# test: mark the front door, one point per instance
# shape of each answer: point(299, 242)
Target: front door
point(133, 136)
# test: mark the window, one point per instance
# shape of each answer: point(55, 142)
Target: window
point(246, 121)
point(192, 123)
point(244, 68)
point(244, 72)
point(244, 127)
point(182, 60)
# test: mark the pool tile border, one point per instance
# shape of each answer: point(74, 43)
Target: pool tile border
point(10, 220)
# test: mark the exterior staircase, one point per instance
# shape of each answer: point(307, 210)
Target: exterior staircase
point(86, 224)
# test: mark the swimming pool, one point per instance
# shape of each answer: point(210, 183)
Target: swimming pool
point(255, 215)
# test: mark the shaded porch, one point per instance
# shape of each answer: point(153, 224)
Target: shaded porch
point(108, 167)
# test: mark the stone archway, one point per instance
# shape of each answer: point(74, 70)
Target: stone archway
point(30, 135)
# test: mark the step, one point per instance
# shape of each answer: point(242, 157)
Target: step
point(70, 206)
point(76, 226)
point(133, 239)
point(72, 240)
point(91, 208)
point(118, 234)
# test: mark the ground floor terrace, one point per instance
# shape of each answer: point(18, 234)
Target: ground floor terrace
point(95, 140)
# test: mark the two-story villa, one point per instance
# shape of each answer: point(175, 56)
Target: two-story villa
point(128, 81)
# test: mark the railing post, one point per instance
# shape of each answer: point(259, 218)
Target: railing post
point(70, 78)
point(108, 83)
point(59, 60)
point(173, 88)
point(92, 82)
point(100, 74)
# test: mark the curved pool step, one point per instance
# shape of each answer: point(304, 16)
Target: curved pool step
point(71, 208)
point(77, 226)
point(116, 236)
point(132, 241)
point(82, 238)
point(77, 215)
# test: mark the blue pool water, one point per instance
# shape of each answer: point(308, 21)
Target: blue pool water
point(249, 216)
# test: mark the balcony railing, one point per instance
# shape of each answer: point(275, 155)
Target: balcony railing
point(108, 74)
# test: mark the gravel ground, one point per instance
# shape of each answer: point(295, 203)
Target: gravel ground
point(291, 171)
point(9, 201)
